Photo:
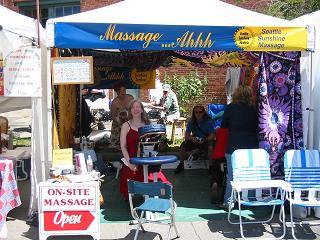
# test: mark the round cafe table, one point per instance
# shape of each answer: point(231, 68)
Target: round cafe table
point(152, 161)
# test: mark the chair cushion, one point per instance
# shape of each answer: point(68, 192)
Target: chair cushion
point(264, 202)
point(307, 203)
point(155, 205)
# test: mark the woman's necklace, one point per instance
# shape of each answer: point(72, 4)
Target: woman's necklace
point(137, 123)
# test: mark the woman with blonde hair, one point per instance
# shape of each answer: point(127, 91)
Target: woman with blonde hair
point(129, 141)
point(241, 120)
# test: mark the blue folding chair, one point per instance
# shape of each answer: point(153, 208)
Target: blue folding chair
point(302, 171)
point(252, 186)
point(159, 200)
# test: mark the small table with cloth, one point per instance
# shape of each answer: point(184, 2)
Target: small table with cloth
point(9, 194)
point(15, 156)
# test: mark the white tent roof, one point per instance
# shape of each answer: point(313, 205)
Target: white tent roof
point(20, 24)
point(14, 26)
point(170, 12)
point(311, 18)
point(174, 12)
point(16, 31)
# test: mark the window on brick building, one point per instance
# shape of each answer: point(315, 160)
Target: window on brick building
point(49, 9)
point(64, 11)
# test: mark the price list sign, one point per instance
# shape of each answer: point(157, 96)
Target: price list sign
point(72, 70)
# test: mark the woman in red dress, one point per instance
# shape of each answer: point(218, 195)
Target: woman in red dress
point(129, 140)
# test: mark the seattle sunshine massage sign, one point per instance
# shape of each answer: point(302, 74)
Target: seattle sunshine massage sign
point(179, 37)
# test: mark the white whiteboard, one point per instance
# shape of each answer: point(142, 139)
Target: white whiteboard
point(72, 70)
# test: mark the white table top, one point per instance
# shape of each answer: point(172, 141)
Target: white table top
point(16, 153)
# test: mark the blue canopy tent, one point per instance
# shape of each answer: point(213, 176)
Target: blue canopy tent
point(210, 25)
point(176, 25)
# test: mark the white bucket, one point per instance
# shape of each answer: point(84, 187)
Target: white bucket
point(299, 212)
point(317, 212)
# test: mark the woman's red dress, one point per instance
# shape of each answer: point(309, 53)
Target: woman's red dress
point(126, 173)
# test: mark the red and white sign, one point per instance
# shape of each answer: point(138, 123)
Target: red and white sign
point(69, 209)
point(68, 220)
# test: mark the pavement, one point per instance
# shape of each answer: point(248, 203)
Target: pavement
point(199, 230)
point(18, 229)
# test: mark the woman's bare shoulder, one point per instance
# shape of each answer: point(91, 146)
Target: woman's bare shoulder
point(125, 125)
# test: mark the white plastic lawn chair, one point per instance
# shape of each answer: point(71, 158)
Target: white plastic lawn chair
point(252, 186)
point(302, 171)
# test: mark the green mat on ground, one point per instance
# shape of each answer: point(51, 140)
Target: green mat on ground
point(191, 193)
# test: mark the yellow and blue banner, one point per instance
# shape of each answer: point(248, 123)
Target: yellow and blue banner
point(178, 37)
point(110, 77)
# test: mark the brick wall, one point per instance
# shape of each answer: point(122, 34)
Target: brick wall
point(216, 77)
point(93, 4)
point(9, 4)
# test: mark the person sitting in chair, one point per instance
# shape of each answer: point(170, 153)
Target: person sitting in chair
point(168, 103)
point(199, 135)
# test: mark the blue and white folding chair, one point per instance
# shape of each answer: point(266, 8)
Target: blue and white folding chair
point(302, 171)
point(160, 200)
point(252, 185)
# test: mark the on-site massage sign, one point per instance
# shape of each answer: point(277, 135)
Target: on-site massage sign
point(69, 208)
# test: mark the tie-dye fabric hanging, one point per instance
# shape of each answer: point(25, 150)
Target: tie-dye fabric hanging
point(207, 59)
point(280, 115)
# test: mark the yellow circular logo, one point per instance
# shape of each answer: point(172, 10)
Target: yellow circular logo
point(142, 78)
point(243, 38)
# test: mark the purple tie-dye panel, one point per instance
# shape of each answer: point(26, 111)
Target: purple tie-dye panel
point(280, 115)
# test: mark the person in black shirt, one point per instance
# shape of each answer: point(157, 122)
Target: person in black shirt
point(241, 119)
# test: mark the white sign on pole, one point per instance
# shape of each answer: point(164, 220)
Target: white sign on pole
point(72, 70)
point(22, 73)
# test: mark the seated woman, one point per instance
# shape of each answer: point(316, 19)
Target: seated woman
point(199, 135)
point(129, 141)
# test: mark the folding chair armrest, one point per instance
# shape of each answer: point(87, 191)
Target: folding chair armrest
point(289, 188)
point(247, 185)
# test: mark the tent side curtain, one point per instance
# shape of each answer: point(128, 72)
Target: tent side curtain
point(112, 67)
point(178, 37)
